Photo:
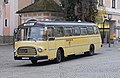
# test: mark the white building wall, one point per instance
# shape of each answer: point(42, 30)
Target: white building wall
point(13, 15)
point(1, 17)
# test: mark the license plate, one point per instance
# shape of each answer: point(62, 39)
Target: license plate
point(25, 58)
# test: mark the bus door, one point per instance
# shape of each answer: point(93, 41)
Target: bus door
point(84, 39)
point(76, 43)
point(68, 38)
point(51, 42)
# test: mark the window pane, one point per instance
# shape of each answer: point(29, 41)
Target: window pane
point(90, 30)
point(83, 31)
point(59, 31)
point(95, 30)
point(100, 2)
point(76, 31)
point(113, 3)
point(68, 31)
point(6, 22)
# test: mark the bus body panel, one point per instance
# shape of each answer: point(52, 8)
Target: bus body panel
point(70, 44)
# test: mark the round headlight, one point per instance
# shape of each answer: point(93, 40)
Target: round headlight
point(39, 50)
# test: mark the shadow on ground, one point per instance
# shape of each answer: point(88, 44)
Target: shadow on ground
point(51, 62)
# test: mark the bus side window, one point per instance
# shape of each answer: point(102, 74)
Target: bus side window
point(83, 31)
point(68, 31)
point(59, 31)
point(76, 31)
point(50, 31)
point(90, 30)
point(95, 30)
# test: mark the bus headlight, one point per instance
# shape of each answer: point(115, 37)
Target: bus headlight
point(39, 49)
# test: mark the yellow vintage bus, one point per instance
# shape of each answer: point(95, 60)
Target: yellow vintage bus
point(55, 40)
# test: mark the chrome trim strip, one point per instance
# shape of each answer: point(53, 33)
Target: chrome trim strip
point(75, 38)
point(73, 46)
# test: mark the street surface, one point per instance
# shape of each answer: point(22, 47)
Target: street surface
point(104, 64)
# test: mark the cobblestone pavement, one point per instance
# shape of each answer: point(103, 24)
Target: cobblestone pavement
point(104, 64)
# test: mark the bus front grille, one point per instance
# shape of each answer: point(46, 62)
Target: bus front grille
point(26, 51)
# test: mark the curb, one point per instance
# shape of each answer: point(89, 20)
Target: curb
point(5, 44)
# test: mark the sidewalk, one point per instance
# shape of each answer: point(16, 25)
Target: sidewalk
point(115, 45)
point(5, 44)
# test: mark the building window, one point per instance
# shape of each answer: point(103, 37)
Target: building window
point(100, 2)
point(33, 1)
point(113, 3)
point(6, 22)
point(6, 1)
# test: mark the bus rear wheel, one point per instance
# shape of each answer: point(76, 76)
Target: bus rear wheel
point(91, 51)
point(34, 62)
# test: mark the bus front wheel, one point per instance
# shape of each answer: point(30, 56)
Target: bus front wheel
point(58, 56)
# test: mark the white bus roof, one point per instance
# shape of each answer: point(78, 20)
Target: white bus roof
point(67, 23)
point(55, 23)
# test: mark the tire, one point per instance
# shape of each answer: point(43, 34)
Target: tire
point(90, 52)
point(34, 62)
point(58, 56)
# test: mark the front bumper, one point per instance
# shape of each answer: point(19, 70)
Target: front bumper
point(31, 58)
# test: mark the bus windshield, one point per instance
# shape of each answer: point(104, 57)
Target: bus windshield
point(31, 33)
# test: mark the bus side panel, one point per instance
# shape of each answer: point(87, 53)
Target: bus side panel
point(98, 42)
point(76, 45)
point(65, 44)
point(85, 43)
point(51, 49)
point(44, 46)
point(95, 40)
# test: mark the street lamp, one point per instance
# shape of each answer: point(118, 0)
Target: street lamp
point(20, 18)
point(109, 18)
point(103, 36)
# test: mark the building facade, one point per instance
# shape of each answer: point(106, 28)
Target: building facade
point(9, 18)
point(110, 8)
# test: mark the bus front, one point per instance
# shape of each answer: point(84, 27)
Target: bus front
point(30, 42)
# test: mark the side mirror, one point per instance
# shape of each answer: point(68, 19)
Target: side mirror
point(15, 31)
point(14, 37)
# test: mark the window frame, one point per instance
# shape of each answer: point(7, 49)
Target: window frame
point(81, 31)
point(89, 32)
point(69, 34)
point(100, 2)
point(62, 31)
point(96, 29)
point(113, 3)
point(78, 33)
point(6, 23)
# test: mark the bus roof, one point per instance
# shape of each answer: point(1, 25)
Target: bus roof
point(66, 23)
point(56, 23)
